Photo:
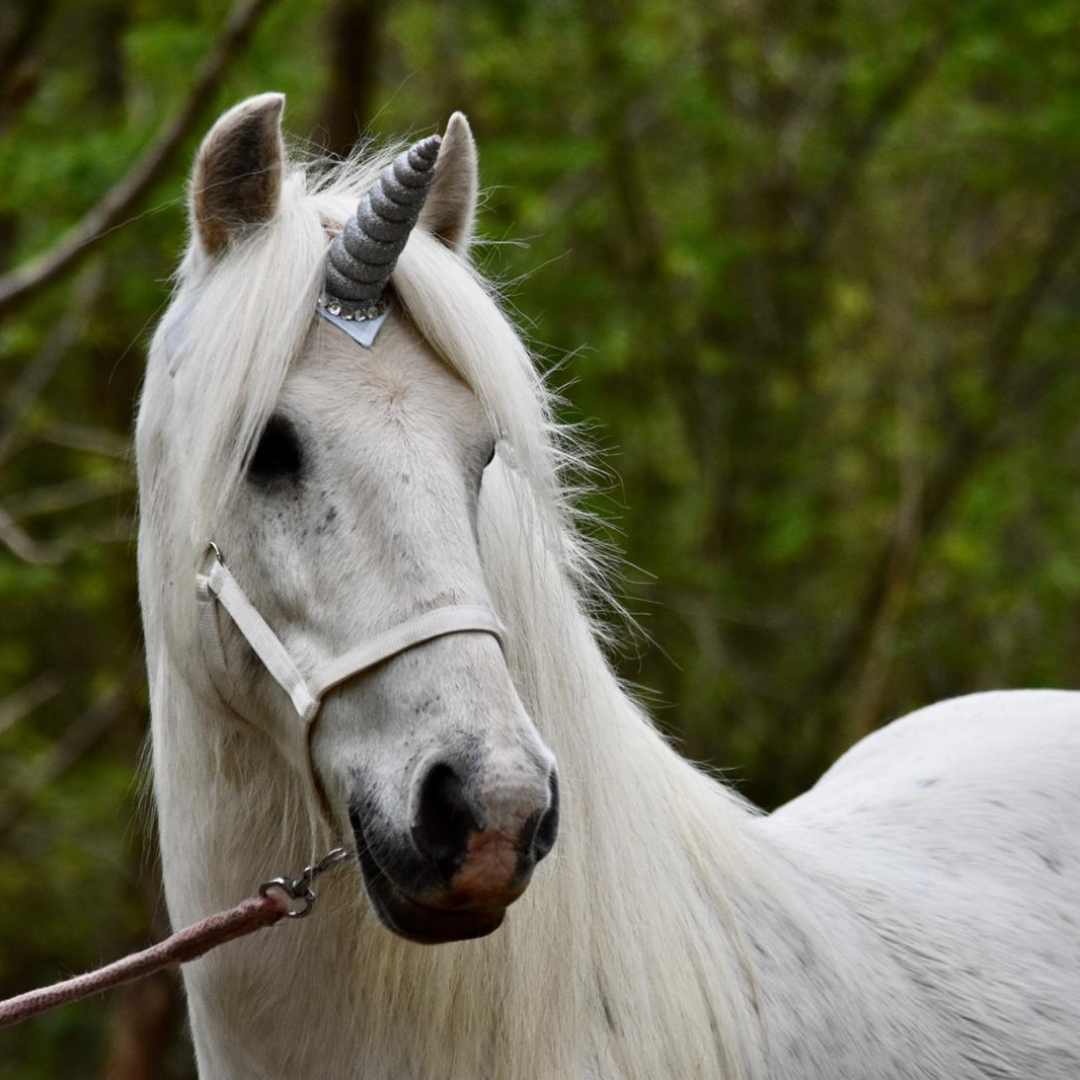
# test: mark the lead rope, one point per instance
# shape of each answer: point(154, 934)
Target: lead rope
point(275, 902)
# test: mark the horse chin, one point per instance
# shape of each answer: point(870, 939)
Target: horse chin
point(429, 926)
point(417, 922)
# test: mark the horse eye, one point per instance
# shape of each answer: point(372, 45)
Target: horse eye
point(490, 454)
point(277, 456)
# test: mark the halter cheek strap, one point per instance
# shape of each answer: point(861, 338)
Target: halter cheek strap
point(217, 586)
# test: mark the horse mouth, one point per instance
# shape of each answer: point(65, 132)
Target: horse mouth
point(414, 921)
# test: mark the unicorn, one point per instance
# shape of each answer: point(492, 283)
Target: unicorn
point(372, 621)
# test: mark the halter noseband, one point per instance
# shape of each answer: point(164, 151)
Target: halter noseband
point(216, 585)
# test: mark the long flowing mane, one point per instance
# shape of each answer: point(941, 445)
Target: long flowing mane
point(221, 357)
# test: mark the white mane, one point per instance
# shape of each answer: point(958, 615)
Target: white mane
point(629, 955)
point(229, 339)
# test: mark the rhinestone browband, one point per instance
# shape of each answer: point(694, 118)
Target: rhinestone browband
point(350, 311)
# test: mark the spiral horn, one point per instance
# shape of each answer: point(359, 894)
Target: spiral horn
point(363, 255)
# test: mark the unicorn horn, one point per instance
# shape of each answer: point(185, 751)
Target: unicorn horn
point(363, 254)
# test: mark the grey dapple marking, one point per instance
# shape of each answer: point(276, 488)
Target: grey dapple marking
point(880, 927)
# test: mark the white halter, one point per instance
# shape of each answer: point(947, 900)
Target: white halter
point(216, 585)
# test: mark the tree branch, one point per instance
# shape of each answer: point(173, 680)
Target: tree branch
point(886, 107)
point(81, 736)
point(92, 440)
point(896, 563)
point(50, 553)
point(354, 39)
point(36, 375)
point(21, 544)
point(66, 495)
point(26, 699)
point(17, 83)
point(118, 202)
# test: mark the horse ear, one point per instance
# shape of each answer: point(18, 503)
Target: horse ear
point(450, 210)
point(237, 180)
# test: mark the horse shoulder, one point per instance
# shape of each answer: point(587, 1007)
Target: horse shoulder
point(953, 835)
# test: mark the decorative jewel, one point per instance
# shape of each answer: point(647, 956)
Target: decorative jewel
point(350, 312)
point(361, 320)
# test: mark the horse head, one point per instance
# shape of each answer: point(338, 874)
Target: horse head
point(357, 511)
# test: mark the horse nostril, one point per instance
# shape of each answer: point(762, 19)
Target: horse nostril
point(445, 818)
point(547, 827)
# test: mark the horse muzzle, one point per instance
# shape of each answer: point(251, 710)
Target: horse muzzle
point(465, 858)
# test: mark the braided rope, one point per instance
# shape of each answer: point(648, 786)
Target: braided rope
point(187, 944)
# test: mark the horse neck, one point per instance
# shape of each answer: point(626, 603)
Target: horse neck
point(589, 952)
point(591, 972)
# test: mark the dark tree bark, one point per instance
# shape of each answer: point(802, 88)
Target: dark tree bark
point(354, 40)
point(145, 1021)
point(110, 71)
point(19, 74)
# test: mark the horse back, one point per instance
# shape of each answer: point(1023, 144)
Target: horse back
point(953, 836)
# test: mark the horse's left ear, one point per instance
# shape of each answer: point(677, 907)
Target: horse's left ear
point(450, 210)
point(237, 180)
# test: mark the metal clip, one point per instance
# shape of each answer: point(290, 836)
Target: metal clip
point(300, 888)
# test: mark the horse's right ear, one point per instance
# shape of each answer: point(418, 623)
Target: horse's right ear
point(237, 180)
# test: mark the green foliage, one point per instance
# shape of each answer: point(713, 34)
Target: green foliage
point(811, 269)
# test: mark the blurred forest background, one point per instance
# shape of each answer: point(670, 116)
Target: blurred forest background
point(812, 267)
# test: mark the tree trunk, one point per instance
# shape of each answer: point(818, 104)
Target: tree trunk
point(354, 48)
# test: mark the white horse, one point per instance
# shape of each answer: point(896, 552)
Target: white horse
point(916, 914)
